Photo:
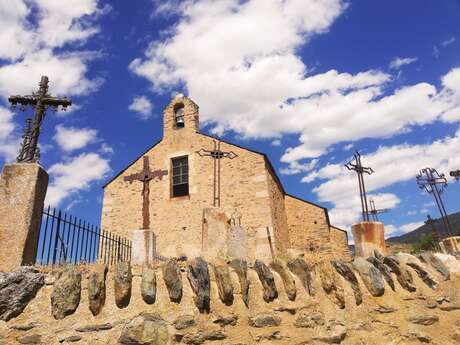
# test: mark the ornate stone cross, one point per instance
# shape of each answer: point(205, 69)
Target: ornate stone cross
point(145, 176)
point(40, 101)
point(216, 154)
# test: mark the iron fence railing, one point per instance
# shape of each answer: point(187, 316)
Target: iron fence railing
point(64, 238)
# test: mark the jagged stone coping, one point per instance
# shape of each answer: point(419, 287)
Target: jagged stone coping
point(112, 317)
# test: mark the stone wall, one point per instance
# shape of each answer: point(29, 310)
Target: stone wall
point(278, 212)
point(339, 243)
point(308, 226)
point(243, 188)
point(326, 303)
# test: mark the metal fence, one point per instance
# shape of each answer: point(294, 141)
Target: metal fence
point(64, 238)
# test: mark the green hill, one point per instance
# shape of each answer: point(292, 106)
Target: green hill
point(413, 236)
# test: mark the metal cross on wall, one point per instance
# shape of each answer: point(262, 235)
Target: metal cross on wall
point(434, 183)
point(145, 176)
point(374, 212)
point(360, 170)
point(456, 174)
point(216, 154)
point(40, 100)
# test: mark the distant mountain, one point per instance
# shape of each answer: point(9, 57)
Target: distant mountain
point(413, 236)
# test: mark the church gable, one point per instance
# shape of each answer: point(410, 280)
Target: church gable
point(202, 173)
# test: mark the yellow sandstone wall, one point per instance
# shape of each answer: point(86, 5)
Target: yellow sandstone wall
point(308, 226)
point(177, 222)
point(339, 243)
point(278, 212)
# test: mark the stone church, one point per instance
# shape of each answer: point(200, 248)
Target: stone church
point(210, 197)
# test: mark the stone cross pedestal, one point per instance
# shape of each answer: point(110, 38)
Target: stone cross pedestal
point(450, 245)
point(369, 236)
point(22, 195)
point(143, 247)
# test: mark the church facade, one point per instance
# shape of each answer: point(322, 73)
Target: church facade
point(200, 182)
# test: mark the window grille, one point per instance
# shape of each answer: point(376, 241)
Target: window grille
point(180, 176)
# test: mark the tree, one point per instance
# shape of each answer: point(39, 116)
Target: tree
point(426, 242)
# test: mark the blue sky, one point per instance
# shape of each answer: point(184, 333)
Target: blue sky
point(307, 82)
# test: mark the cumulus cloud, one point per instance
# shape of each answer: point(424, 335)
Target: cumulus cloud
point(448, 42)
point(339, 186)
point(405, 228)
point(142, 106)
point(45, 37)
point(273, 92)
point(398, 62)
point(71, 138)
point(8, 144)
point(393, 230)
point(74, 175)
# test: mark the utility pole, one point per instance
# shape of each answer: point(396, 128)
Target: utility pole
point(434, 183)
point(40, 100)
point(360, 170)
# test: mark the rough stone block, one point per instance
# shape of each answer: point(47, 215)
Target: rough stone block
point(22, 195)
point(368, 237)
point(143, 246)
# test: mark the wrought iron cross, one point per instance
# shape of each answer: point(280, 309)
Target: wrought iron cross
point(40, 100)
point(456, 174)
point(217, 155)
point(374, 212)
point(434, 183)
point(145, 176)
point(360, 170)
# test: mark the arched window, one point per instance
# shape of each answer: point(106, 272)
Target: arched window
point(179, 115)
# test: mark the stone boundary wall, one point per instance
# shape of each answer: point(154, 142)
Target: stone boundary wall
point(339, 243)
point(359, 303)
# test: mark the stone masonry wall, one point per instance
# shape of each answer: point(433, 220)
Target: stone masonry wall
point(308, 226)
point(278, 213)
point(339, 243)
point(365, 312)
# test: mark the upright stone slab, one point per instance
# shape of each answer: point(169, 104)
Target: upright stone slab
point(237, 242)
point(368, 237)
point(215, 227)
point(22, 194)
point(143, 247)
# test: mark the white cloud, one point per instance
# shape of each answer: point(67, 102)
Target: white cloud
point(28, 26)
point(411, 213)
point(273, 92)
point(448, 42)
point(390, 229)
point(71, 138)
point(340, 187)
point(348, 147)
point(276, 142)
point(398, 62)
point(106, 149)
point(45, 37)
point(405, 228)
point(65, 71)
point(9, 145)
point(296, 167)
point(142, 106)
point(75, 175)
